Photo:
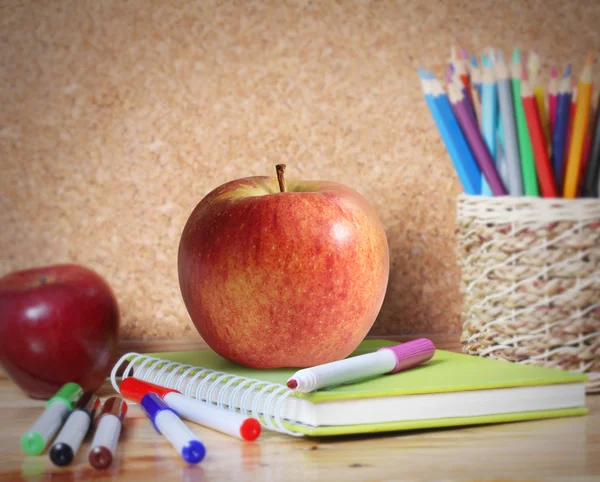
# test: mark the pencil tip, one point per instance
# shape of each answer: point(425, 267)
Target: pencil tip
point(463, 54)
point(533, 62)
point(473, 61)
point(568, 70)
point(516, 55)
point(485, 61)
point(421, 72)
point(590, 59)
point(554, 72)
point(500, 55)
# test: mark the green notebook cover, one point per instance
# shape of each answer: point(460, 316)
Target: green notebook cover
point(445, 372)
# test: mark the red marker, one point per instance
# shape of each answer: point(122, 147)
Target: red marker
point(211, 416)
point(107, 433)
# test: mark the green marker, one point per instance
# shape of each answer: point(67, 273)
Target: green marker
point(34, 441)
point(530, 182)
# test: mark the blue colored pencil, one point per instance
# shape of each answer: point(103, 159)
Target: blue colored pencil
point(507, 115)
point(489, 113)
point(476, 76)
point(501, 163)
point(491, 57)
point(462, 158)
point(561, 127)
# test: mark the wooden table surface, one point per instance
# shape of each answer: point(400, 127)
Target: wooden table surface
point(561, 448)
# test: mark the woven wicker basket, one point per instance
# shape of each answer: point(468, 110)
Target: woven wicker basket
point(531, 281)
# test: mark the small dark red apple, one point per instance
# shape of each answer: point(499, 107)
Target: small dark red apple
point(58, 324)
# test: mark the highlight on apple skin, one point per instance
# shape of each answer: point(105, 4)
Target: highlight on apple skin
point(283, 273)
point(58, 324)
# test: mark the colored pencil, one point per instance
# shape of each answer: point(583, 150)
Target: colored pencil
point(590, 187)
point(461, 71)
point(580, 125)
point(572, 110)
point(509, 129)
point(533, 63)
point(465, 77)
point(464, 163)
point(552, 99)
point(476, 76)
point(525, 149)
point(485, 187)
point(489, 114)
point(538, 141)
point(559, 137)
point(474, 138)
point(458, 69)
point(501, 163)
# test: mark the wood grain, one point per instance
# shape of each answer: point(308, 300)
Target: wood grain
point(537, 450)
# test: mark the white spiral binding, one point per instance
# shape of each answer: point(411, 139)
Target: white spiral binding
point(217, 384)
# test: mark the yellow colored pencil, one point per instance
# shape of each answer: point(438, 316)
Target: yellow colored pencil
point(580, 124)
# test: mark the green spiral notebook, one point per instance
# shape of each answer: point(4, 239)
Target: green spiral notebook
point(451, 389)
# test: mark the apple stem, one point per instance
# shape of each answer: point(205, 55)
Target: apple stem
point(280, 176)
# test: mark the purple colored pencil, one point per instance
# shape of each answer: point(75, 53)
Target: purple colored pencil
point(449, 79)
point(475, 139)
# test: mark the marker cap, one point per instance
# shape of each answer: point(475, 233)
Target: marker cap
point(152, 405)
point(411, 353)
point(69, 393)
point(114, 406)
point(33, 443)
point(134, 389)
point(193, 452)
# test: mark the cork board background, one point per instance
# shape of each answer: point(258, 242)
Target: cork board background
point(119, 116)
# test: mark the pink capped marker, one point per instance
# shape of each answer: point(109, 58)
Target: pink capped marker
point(386, 360)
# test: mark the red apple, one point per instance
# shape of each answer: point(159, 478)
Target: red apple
point(283, 279)
point(58, 324)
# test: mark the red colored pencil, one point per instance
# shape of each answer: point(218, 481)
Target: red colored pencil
point(459, 62)
point(538, 141)
point(466, 77)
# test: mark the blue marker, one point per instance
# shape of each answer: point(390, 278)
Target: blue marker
point(167, 422)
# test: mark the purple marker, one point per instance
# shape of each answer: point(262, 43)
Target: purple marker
point(390, 359)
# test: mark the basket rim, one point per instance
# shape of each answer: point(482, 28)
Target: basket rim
point(527, 209)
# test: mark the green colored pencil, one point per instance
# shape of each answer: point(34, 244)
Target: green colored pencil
point(530, 182)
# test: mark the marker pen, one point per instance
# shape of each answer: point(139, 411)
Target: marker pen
point(107, 432)
point(385, 360)
point(34, 441)
point(167, 422)
point(216, 418)
point(74, 430)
